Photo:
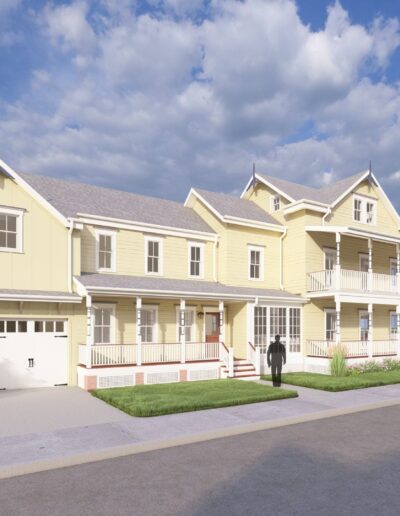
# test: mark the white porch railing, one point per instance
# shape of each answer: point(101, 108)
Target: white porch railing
point(111, 354)
point(354, 348)
point(155, 353)
point(254, 356)
point(347, 279)
point(202, 351)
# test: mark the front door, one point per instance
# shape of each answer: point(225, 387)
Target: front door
point(212, 327)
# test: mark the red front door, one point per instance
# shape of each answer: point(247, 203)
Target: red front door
point(212, 327)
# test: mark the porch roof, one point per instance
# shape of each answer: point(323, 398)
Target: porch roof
point(46, 296)
point(355, 232)
point(155, 286)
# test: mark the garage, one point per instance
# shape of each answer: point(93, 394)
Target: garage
point(33, 353)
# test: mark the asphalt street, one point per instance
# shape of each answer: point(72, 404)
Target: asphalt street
point(343, 465)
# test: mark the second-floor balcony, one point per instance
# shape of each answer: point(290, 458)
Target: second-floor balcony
point(334, 280)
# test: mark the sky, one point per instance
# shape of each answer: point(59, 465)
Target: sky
point(158, 96)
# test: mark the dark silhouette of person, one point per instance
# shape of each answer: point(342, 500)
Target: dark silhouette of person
point(276, 357)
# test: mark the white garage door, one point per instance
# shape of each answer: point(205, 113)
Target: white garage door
point(33, 353)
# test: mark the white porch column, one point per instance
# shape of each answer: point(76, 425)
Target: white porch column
point(89, 331)
point(370, 330)
point(398, 330)
point(139, 331)
point(370, 279)
point(221, 321)
point(398, 266)
point(337, 268)
point(182, 308)
point(337, 308)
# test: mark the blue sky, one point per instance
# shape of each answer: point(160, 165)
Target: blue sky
point(158, 96)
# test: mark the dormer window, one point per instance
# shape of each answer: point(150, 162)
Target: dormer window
point(275, 203)
point(364, 210)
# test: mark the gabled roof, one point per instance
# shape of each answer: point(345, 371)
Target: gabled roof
point(73, 198)
point(233, 209)
point(138, 285)
point(327, 194)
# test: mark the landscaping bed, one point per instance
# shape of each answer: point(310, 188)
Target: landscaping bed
point(160, 399)
point(340, 383)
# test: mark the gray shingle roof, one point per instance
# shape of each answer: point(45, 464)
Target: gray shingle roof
point(71, 198)
point(327, 194)
point(137, 283)
point(228, 205)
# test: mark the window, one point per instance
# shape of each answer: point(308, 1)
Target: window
point(364, 262)
point(364, 210)
point(260, 328)
point(154, 263)
point(148, 325)
point(256, 261)
point(294, 330)
point(330, 325)
point(13, 326)
point(393, 324)
point(329, 259)
point(103, 324)
point(282, 321)
point(11, 229)
point(275, 202)
point(189, 326)
point(364, 326)
point(196, 252)
point(106, 250)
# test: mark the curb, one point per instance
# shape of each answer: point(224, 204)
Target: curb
point(16, 470)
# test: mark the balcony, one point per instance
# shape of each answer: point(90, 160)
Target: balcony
point(354, 348)
point(352, 281)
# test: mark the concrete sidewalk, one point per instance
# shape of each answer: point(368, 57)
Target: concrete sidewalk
point(20, 454)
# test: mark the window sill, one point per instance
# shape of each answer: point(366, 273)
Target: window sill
point(14, 251)
point(154, 274)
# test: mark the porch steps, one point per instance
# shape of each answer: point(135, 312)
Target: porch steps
point(242, 370)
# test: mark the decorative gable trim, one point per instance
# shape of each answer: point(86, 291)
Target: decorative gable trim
point(261, 179)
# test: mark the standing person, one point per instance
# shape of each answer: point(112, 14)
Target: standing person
point(276, 357)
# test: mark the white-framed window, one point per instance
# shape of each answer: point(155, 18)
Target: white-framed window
point(294, 330)
point(364, 325)
point(149, 321)
point(364, 210)
point(393, 272)
point(393, 324)
point(256, 262)
point(11, 220)
point(104, 324)
point(330, 324)
point(154, 255)
point(196, 260)
point(363, 262)
point(329, 258)
point(260, 328)
point(275, 203)
point(105, 250)
point(189, 326)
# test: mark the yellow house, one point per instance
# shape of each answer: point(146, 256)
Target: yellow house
point(101, 288)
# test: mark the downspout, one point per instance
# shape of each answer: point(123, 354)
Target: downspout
point(70, 257)
point(326, 215)
point(281, 251)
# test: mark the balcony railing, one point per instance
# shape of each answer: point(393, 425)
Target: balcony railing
point(152, 353)
point(354, 348)
point(351, 280)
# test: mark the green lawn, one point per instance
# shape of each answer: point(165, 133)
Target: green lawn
point(345, 383)
point(157, 400)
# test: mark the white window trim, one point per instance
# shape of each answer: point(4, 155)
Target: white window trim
point(362, 256)
point(261, 249)
point(391, 314)
point(194, 327)
point(364, 200)
point(201, 246)
point(160, 241)
point(272, 203)
point(362, 313)
point(19, 213)
point(112, 321)
point(328, 311)
point(113, 236)
point(326, 251)
point(155, 326)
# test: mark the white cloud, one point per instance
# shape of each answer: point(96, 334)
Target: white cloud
point(158, 102)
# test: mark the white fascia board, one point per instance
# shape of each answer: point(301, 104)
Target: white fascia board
point(110, 222)
point(389, 202)
point(207, 204)
point(40, 298)
point(33, 193)
point(347, 297)
point(328, 229)
point(246, 187)
point(350, 189)
point(200, 295)
point(275, 188)
point(358, 233)
point(304, 204)
point(81, 289)
point(253, 224)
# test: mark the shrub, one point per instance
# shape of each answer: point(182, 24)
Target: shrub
point(389, 364)
point(338, 360)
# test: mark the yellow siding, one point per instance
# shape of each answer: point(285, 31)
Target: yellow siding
point(43, 263)
point(238, 329)
point(343, 213)
point(130, 254)
point(261, 196)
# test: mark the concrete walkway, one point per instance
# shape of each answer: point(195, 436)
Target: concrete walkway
point(108, 432)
